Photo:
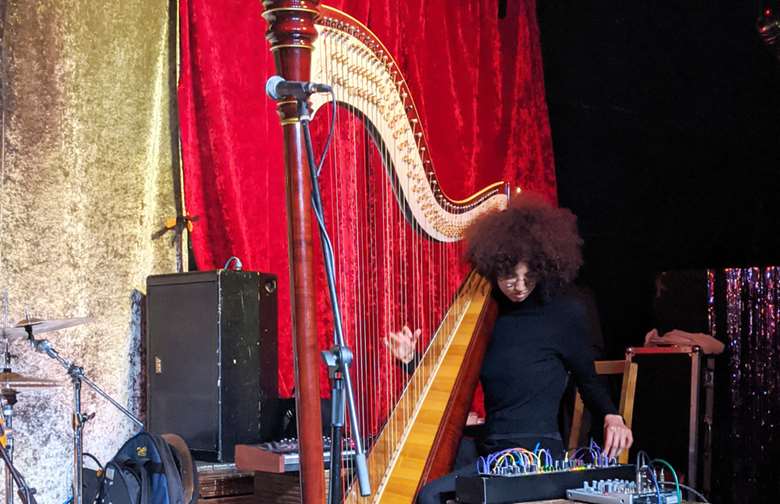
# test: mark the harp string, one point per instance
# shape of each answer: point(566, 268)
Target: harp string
point(390, 272)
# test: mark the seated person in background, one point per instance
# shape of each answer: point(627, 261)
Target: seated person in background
point(680, 302)
point(531, 253)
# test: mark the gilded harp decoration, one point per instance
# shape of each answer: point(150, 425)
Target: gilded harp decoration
point(401, 235)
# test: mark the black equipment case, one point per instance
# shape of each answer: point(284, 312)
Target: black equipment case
point(673, 409)
point(211, 359)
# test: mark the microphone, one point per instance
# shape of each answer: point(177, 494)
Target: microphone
point(277, 87)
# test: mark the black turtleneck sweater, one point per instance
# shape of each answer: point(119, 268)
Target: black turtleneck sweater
point(533, 347)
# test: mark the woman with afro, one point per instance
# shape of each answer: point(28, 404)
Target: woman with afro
point(531, 253)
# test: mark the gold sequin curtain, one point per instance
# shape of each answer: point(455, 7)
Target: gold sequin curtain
point(87, 178)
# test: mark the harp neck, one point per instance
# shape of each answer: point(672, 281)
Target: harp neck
point(291, 35)
point(367, 79)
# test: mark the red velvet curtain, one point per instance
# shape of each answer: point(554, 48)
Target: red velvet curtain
point(478, 85)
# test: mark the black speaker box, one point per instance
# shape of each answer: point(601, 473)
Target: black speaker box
point(211, 359)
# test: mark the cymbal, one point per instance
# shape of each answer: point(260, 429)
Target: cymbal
point(12, 333)
point(11, 380)
point(41, 326)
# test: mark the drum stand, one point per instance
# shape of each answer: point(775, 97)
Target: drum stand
point(11, 474)
point(77, 377)
point(9, 399)
point(25, 492)
point(7, 452)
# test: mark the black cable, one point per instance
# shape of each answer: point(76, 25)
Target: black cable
point(655, 482)
point(642, 458)
point(327, 247)
point(330, 133)
point(94, 458)
point(327, 251)
point(22, 489)
point(690, 491)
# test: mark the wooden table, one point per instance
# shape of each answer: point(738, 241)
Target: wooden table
point(566, 501)
point(224, 484)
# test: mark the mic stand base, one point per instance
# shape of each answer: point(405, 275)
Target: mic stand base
point(335, 361)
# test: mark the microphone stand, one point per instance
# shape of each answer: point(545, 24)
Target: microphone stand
point(339, 357)
point(77, 377)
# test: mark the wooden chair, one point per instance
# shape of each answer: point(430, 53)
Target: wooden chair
point(626, 409)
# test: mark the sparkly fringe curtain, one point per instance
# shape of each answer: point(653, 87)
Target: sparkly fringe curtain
point(86, 180)
point(744, 312)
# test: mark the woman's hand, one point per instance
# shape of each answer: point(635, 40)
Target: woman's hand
point(652, 338)
point(474, 419)
point(617, 437)
point(403, 344)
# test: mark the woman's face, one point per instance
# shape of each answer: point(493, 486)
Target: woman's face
point(518, 286)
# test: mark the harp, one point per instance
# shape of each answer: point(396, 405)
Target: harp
point(406, 238)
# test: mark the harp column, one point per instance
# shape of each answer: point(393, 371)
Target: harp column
point(291, 34)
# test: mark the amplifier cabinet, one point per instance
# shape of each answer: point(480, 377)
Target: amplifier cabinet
point(673, 409)
point(212, 359)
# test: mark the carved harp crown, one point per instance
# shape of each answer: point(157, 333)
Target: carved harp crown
point(413, 439)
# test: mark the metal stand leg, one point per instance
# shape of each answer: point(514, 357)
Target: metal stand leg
point(26, 494)
point(9, 397)
point(78, 443)
point(340, 356)
point(9, 400)
point(337, 423)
